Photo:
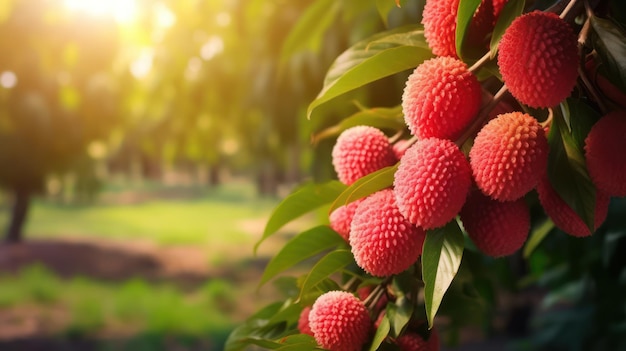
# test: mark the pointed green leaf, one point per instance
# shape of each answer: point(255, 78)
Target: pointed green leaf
point(443, 250)
point(301, 201)
point(378, 117)
point(399, 314)
point(298, 342)
point(381, 333)
point(327, 265)
point(384, 7)
point(365, 186)
point(537, 236)
point(610, 43)
point(301, 247)
point(366, 62)
point(465, 13)
point(511, 10)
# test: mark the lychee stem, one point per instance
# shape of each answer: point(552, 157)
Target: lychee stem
point(486, 57)
point(568, 8)
point(482, 115)
point(376, 294)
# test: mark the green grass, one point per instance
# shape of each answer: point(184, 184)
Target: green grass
point(215, 218)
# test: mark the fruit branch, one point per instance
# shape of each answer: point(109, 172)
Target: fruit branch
point(482, 116)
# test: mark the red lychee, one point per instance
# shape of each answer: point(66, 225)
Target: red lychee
point(440, 98)
point(509, 156)
point(340, 321)
point(604, 152)
point(564, 216)
point(341, 219)
point(383, 242)
point(432, 182)
point(414, 342)
point(538, 59)
point(497, 228)
point(303, 321)
point(439, 20)
point(360, 151)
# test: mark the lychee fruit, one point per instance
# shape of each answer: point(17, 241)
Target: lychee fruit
point(411, 341)
point(563, 216)
point(440, 98)
point(439, 20)
point(303, 321)
point(360, 151)
point(383, 242)
point(496, 228)
point(432, 182)
point(340, 321)
point(509, 156)
point(341, 219)
point(605, 156)
point(538, 59)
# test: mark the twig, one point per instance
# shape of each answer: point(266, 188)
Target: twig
point(482, 115)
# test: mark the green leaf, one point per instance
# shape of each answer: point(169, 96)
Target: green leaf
point(298, 342)
point(379, 117)
point(301, 201)
point(367, 185)
point(466, 11)
point(567, 171)
point(537, 236)
point(399, 314)
point(381, 333)
point(610, 43)
point(327, 265)
point(301, 247)
point(371, 60)
point(511, 10)
point(443, 250)
point(384, 7)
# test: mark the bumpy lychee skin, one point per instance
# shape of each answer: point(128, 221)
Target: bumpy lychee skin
point(341, 219)
point(538, 59)
point(439, 20)
point(414, 342)
point(432, 182)
point(509, 156)
point(360, 151)
point(497, 228)
point(383, 242)
point(440, 98)
point(604, 152)
point(303, 322)
point(340, 321)
point(564, 216)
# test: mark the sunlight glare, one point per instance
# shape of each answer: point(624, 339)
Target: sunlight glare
point(123, 11)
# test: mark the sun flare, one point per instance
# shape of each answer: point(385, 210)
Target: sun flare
point(123, 11)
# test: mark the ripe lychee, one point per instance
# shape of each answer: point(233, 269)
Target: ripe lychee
point(564, 216)
point(383, 242)
point(538, 59)
point(340, 321)
point(360, 151)
point(432, 182)
point(303, 321)
point(509, 156)
point(604, 152)
point(414, 342)
point(440, 98)
point(341, 219)
point(497, 228)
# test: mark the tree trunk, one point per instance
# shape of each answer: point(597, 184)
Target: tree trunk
point(21, 202)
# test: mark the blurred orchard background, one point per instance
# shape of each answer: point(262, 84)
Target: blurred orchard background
point(143, 145)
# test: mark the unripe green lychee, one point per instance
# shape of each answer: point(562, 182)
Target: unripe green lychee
point(509, 156)
point(340, 321)
point(564, 216)
point(604, 152)
point(383, 242)
point(432, 182)
point(360, 151)
point(440, 98)
point(303, 322)
point(538, 59)
point(496, 228)
point(341, 219)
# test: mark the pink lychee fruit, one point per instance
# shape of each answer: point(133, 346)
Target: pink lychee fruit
point(563, 216)
point(411, 341)
point(340, 321)
point(360, 151)
point(605, 156)
point(509, 156)
point(383, 242)
point(341, 219)
point(440, 98)
point(496, 228)
point(303, 322)
point(538, 59)
point(432, 182)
